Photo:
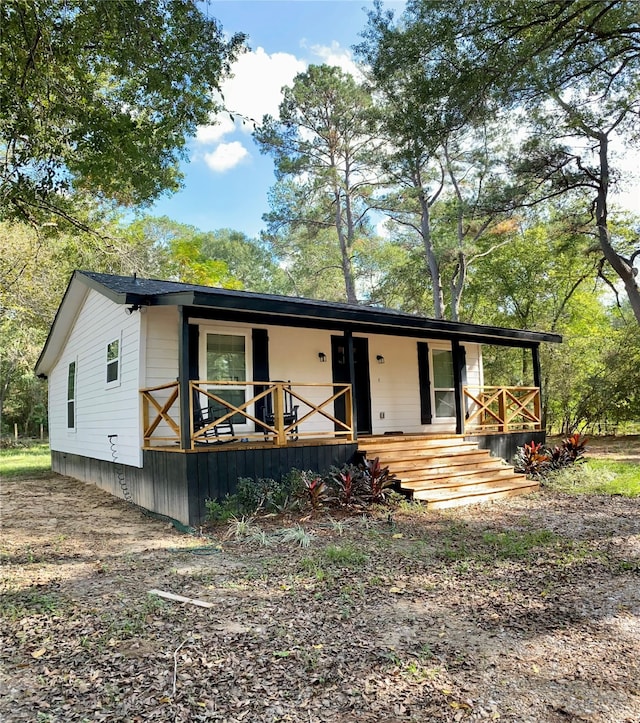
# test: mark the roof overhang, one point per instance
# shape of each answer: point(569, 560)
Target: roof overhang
point(232, 305)
point(63, 321)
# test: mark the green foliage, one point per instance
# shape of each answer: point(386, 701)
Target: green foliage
point(566, 72)
point(322, 145)
point(344, 556)
point(515, 544)
point(240, 527)
point(100, 97)
point(263, 494)
point(221, 511)
point(605, 477)
point(25, 460)
point(29, 602)
point(297, 535)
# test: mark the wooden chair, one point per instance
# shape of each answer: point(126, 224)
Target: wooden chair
point(290, 413)
point(203, 416)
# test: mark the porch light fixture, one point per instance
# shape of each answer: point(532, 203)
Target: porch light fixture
point(130, 309)
point(380, 359)
point(322, 356)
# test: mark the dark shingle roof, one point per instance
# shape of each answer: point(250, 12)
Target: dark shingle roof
point(273, 308)
point(250, 307)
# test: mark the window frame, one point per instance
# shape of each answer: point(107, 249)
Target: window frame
point(110, 362)
point(435, 389)
point(244, 425)
point(71, 405)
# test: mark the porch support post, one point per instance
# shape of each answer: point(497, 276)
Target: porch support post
point(459, 374)
point(535, 357)
point(183, 378)
point(348, 342)
point(537, 382)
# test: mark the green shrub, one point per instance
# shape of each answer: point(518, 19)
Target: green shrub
point(222, 511)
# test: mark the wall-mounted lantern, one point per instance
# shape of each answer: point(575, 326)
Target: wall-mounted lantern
point(322, 356)
point(380, 359)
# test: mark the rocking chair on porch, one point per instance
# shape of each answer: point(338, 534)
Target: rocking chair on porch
point(204, 416)
point(290, 413)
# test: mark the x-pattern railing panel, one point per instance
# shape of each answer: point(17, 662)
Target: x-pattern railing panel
point(502, 409)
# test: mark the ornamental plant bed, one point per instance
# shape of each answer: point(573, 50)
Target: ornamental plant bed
point(521, 610)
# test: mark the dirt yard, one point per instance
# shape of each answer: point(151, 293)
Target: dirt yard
point(522, 610)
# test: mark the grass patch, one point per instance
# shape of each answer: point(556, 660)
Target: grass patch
point(344, 556)
point(460, 543)
point(597, 476)
point(515, 544)
point(21, 604)
point(25, 461)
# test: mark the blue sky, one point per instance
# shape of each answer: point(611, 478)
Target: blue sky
point(227, 179)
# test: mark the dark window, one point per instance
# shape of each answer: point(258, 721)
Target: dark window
point(113, 361)
point(71, 396)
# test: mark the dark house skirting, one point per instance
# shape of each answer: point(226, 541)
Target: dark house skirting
point(505, 445)
point(177, 484)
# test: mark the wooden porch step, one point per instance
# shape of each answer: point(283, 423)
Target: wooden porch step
point(400, 442)
point(450, 473)
point(442, 499)
point(477, 458)
point(445, 470)
point(457, 478)
point(420, 451)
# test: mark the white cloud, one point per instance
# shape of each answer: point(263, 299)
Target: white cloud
point(226, 156)
point(210, 134)
point(254, 91)
point(335, 55)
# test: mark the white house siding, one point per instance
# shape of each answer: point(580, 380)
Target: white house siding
point(475, 377)
point(395, 389)
point(161, 345)
point(160, 357)
point(99, 410)
point(293, 355)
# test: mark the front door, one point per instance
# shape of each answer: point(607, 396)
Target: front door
point(361, 382)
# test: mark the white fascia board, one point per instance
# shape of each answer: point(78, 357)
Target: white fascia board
point(70, 306)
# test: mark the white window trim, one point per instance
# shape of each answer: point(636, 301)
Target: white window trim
point(435, 418)
point(72, 430)
point(118, 380)
point(248, 352)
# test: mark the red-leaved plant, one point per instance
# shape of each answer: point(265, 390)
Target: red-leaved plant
point(378, 479)
point(575, 446)
point(532, 459)
point(348, 485)
point(536, 461)
point(315, 490)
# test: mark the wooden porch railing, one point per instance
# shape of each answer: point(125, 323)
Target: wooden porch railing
point(161, 412)
point(502, 409)
point(283, 429)
point(163, 399)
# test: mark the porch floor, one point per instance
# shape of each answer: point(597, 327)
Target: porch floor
point(445, 470)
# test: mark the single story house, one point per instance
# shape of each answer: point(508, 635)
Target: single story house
point(166, 393)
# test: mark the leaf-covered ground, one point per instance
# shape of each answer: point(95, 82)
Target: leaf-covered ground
point(522, 610)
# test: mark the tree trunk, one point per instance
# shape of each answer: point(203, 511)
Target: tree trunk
point(345, 251)
point(620, 265)
point(430, 257)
